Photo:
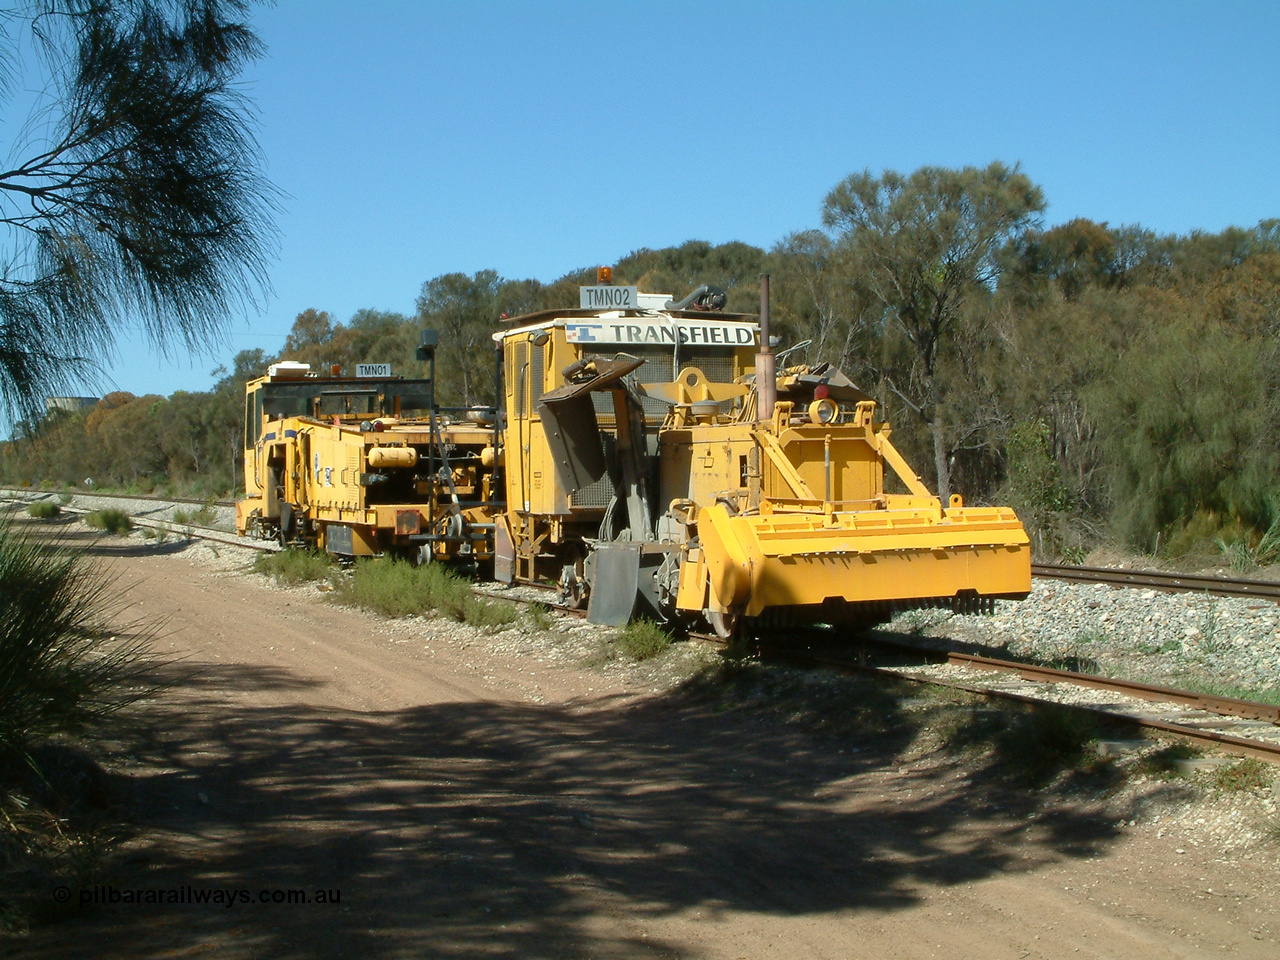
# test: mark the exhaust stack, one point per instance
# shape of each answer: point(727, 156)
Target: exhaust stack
point(766, 368)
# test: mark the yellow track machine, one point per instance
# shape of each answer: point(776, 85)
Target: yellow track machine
point(646, 455)
point(657, 464)
point(366, 465)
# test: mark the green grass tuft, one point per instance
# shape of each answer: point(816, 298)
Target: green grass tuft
point(43, 510)
point(201, 517)
point(295, 566)
point(110, 520)
point(540, 617)
point(642, 640)
point(1039, 743)
point(1163, 763)
point(396, 588)
point(62, 676)
point(1246, 775)
point(490, 614)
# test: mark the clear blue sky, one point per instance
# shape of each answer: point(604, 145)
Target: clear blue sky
point(412, 139)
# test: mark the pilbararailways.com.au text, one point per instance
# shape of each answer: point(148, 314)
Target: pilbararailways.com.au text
point(188, 895)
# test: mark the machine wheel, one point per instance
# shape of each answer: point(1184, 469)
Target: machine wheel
point(724, 624)
point(572, 594)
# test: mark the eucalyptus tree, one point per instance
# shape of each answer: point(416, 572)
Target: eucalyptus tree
point(132, 192)
point(927, 244)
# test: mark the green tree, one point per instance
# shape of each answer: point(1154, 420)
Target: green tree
point(465, 311)
point(927, 244)
point(135, 191)
point(732, 266)
point(817, 298)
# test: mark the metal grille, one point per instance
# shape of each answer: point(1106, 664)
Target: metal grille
point(598, 493)
point(537, 356)
point(518, 374)
point(716, 364)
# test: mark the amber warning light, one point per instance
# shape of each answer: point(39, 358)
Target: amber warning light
point(604, 275)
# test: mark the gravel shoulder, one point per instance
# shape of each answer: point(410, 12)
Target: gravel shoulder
point(522, 794)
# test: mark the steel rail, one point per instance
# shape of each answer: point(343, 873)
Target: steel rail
point(187, 530)
point(1210, 703)
point(83, 492)
point(1228, 743)
point(1157, 580)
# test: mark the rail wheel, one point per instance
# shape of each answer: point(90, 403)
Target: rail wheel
point(724, 624)
point(572, 588)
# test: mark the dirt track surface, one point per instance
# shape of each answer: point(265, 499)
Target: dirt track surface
point(472, 803)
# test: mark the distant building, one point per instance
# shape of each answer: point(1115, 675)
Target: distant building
point(69, 404)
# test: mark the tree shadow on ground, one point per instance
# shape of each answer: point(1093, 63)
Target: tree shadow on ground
point(509, 830)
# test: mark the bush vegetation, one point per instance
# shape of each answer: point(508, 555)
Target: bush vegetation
point(43, 510)
point(642, 640)
point(540, 617)
point(60, 672)
point(109, 520)
point(1105, 381)
point(292, 567)
point(397, 588)
point(202, 516)
point(1248, 774)
point(63, 676)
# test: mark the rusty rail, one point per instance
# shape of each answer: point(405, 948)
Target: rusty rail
point(1157, 580)
point(1224, 706)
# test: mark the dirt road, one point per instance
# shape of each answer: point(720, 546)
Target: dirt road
point(456, 801)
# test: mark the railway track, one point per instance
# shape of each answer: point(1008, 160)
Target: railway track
point(1237, 727)
point(1147, 579)
point(89, 502)
point(1242, 728)
point(89, 492)
point(1157, 580)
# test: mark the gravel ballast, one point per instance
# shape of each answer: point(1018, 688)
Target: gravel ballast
point(1231, 646)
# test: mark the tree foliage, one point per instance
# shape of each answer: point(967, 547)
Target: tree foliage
point(926, 245)
point(132, 191)
point(1095, 377)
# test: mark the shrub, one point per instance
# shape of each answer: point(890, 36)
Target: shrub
point(488, 614)
point(1246, 775)
point(60, 672)
point(295, 566)
point(1165, 761)
point(110, 520)
point(202, 517)
point(643, 639)
point(43, 510)
point(540, 617)
point(1040, 742)
point(396, 588)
